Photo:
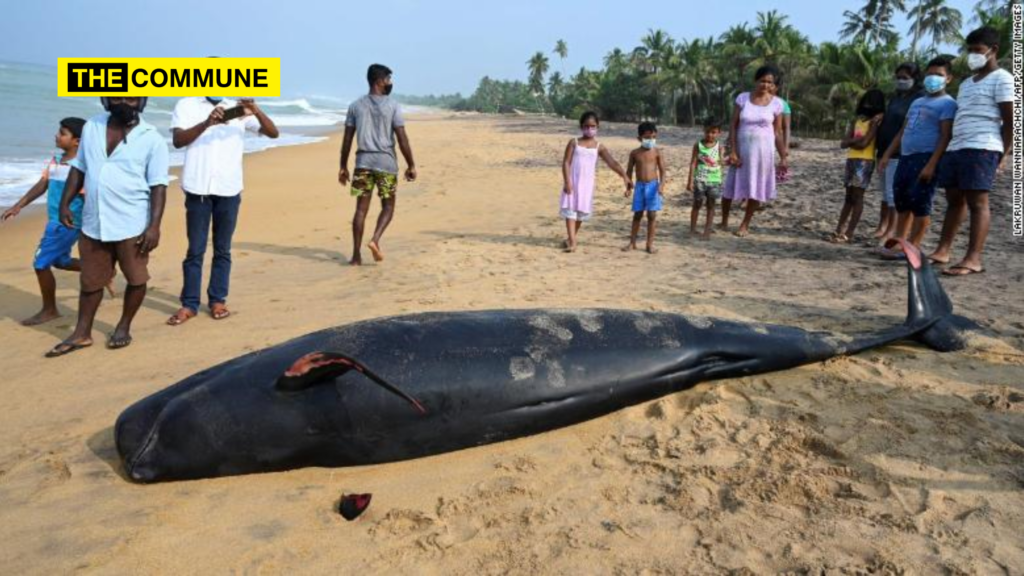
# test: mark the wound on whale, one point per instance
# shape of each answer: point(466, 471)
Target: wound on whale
point(409, 386)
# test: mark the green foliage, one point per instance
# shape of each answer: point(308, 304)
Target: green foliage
point(686, 81)
point(432, 101)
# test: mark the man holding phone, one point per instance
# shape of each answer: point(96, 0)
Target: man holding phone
point(212, 132)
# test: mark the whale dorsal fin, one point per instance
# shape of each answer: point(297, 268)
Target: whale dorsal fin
point(318, 368)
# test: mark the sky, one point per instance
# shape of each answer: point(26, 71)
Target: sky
point(443, 46)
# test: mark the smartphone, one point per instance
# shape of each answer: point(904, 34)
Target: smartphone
point(232, 113)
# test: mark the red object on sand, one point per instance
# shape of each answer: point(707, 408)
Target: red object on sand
point(352, 505)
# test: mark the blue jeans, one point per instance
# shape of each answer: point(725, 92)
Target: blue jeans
point(199, 211)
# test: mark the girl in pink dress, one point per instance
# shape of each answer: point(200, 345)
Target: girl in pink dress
point(579, 169)
point(756, 130)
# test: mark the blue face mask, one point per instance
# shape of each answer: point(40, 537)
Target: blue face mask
point(934, 83)
point(214, 101)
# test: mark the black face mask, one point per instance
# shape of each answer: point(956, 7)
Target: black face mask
point(387, 89)
point(125, 114)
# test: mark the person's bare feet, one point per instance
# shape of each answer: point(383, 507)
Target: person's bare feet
point(707, 234)
point(940, 258)
point(651, 249)
point(570, 248)
point(878, 233)
point(41, 317)
point(378, 254)
point(629, 247)
point(356, 261)
point(741, 232)
point(722, 227)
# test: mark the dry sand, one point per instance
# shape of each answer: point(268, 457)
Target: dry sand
point(900, 460)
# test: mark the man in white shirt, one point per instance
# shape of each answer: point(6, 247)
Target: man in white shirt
point(212, 181)
point(982, 140)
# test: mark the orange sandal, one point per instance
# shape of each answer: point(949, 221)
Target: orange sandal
point(180, 317)
point(219, 311)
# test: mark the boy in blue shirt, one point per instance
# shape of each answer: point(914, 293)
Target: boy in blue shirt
point(58, 240)
point(921, 143)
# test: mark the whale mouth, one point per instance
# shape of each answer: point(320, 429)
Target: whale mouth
point(130, 456)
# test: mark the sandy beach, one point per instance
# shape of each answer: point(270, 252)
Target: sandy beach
point(897, 461)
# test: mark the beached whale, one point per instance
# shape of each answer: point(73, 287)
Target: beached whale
point(409, 386)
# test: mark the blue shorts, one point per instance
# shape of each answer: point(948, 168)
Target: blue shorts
point(646, 197)
point(55, 246)
point(969, 169)
point(911, 194)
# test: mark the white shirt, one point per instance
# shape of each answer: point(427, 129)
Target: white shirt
point(213, 162)
point(979, 123)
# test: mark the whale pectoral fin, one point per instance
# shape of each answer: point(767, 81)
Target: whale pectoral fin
point(323, 367)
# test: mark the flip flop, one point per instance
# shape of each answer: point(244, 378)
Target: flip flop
point(117, 343)
point(219, 312)
point(66, 348)
point(936, 262)
point(180, 317)
point(970, 271)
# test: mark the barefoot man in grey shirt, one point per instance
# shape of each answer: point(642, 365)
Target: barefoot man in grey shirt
point(375, 121)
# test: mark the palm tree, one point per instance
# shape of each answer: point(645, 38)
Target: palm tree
point(658, 46)
point(616, 61)
point(934, 18)
point(538, 65)
point(872, 24)
point(694, 72)
point(555, 85)
point(987, 9)
point(562, 50)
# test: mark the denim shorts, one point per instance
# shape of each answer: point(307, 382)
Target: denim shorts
point(911, 194)
point(969, 169)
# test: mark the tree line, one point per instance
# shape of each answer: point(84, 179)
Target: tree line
point(686, 81)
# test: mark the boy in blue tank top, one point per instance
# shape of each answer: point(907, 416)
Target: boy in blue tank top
point(58, 240)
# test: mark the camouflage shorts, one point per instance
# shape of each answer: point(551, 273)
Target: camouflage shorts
point(364, 181)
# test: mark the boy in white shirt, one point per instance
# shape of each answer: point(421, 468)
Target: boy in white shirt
point(982, 140)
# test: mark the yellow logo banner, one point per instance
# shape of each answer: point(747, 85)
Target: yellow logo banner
point(249, 77)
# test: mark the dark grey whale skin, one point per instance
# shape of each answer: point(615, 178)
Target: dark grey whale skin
point(481, 377)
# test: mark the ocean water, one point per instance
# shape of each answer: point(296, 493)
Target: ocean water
point(30, 112)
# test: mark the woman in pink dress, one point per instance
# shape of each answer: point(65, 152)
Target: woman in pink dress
point(579, 170)
point(755, 134)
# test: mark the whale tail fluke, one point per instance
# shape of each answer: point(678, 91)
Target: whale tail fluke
point(928, 306)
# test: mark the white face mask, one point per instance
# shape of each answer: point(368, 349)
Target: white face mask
point(904, 84)
point(977, 61)
point(649, 143)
